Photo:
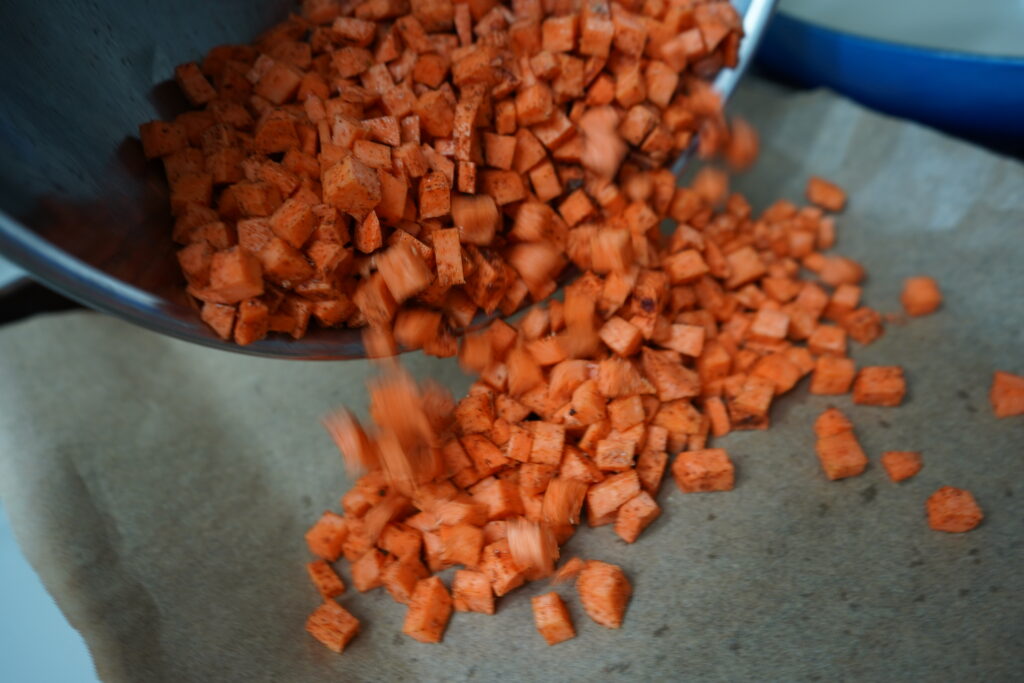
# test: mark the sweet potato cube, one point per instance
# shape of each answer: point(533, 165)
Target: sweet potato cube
point(685, 266)
point(284, 264)
point(235, 275)
point(501, 496)
point(401, 540)
point(326, 580)
point(745, 266)
point(607, 496)
point(686, 339)
point(558, 34)
point(552, 618)
point(604, 591)
point(832, 422)
point(864, 325)
point(401, 576)
point(504, 187)
point(615, 453)
point(879, 386)
point(367, 570)
point(160, 138)
point(626, 412)
point(920, 295)
point(352, 187)
point(650, 468)
point(827, 339)
point(596, 28)
point(220, 317)
point(704, 470)
point(499, 150)
point(769, 325)
point(429, 611)
point(548, 443)
point(777, 368)
point(435, 195)
point(621, 336)
point(1007, 394)
point(252, 323)
point(635, 515)
point(953, 510)
point(900, 465)
point(193, 84)
point(501, 570)
point(476, 218)
point(278, 84)
point(841, 455)
point(534, 104)
point(825, 194)
point(832, 375)
point(326, 537)
point(332, 625)
point(461, 544)
point(471, 591)
point(404, 271)
point(293, 222)
point(671, 378)
point(487, 458)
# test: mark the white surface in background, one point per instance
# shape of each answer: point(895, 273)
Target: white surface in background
point(990, 27)
point(37, 645)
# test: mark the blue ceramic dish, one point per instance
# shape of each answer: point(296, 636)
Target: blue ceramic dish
point(971, 94)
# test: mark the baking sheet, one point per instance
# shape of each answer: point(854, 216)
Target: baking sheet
point(161, 490)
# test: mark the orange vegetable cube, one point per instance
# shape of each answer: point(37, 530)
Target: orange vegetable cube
point(1007, 394)
point(703, 470)
point(435, 194)
point(621, 336)
point(635, 515)
point(548, 443)
point(401, 576)
point(500, 496)
point(953, 510)
point(367, 571)
point(832, 375)
point(841, 455)
point(650, 467)
point(615, 454)
point(476, 217)
point(501, 570)
point(879, 386)
point(604, 591)
point(160, 139)
point(352, 187)
point(864, 325)
point(552, 618)
point(832, 422)
point(461, 544)
point(471, 592)
point(825, 194)
point(486, 457)
point(429, 611)
point(920, 295)
point(327, 535)
point(827, 339)
point(900, 465)
point(608, 496)
point(332, 625)
point(326, 580)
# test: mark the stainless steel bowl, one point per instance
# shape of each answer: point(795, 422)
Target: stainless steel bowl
point(80, 208)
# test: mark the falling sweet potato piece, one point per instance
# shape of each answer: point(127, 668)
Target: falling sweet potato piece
point(604, 591)
point(953, 510)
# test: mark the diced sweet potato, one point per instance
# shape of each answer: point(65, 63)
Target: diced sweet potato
point(367, 571)
point(552, 618)
point(831, 422)
point(326, 580)
point(497, 564)
point(832, 375)
point(953, 510)
point(825, 194)
point(608, 496)
point(900, 465)
point(326, 537)
point(920, 295)
point(429, 611)
point(332, 625)
point(703, 470)
point(471, 592)
point(1007, 394)
point(604, 591)
point(635, 515)
point(841, 455)
point(880, 386)
point(352, 187)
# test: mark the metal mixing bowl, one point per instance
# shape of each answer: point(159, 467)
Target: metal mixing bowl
point(80, 208)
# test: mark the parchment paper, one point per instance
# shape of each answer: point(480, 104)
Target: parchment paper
point(161, 490)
